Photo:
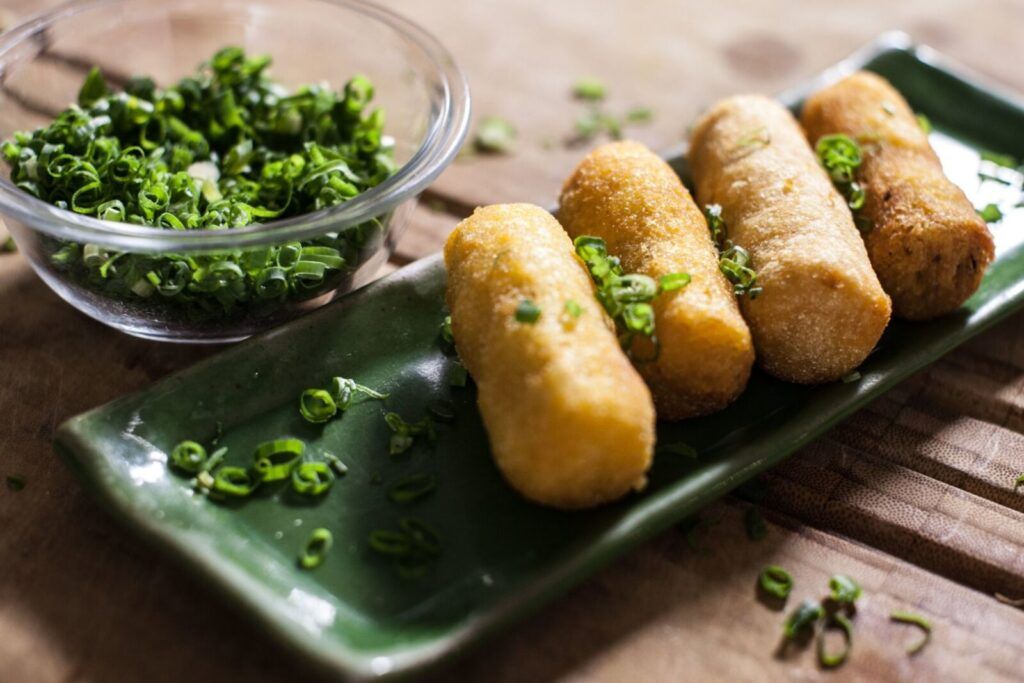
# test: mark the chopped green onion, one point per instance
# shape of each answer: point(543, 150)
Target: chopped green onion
point(830, 660)
point(335, 462)
point(924, 123)
point(990, 213)
point(222, 149)
point(388, 542)
point(188, 456)
point(716, 224)
point(639, 115)
point(590, 89)
point(573, 309)
point(446, 330)
point(275, 460)
point(841, 156)
point(889, 108)
point(8, 246)
point(344, 390)
point(404, 432)
point(734, 262)
point(920, 622)
point(315, 551)
point(527, 312)
point(1018, 482)
point(312, 478)
point(412, 488)
point(236, 482)
point(844, 590)
point(804, 616)
point(673, 281)
point(412, 548)
point(756, 528)
point(851, 377)
point(625, 297)
point(317, 406)
point(777, 582)
point(495, 135)
point(15, 482)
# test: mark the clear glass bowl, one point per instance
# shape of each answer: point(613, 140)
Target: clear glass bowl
point(44, 61)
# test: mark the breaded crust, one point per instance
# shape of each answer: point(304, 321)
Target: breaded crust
point(822, 309)
point(570, 422)
point(627, 196)
point(925, 240)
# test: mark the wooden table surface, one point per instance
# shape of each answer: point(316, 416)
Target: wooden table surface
point(913, 496)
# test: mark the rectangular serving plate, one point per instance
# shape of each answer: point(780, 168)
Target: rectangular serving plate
point(501, 555)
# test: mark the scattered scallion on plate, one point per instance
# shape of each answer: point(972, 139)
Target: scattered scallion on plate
point(404, 433)
point(412, 488)
point(312, 478)
point(275, 460)
point(321, 405)
point(412, 548)
point(314, 552)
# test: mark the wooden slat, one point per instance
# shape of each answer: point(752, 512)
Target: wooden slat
point(522, 59)
point(937, 526)
point(668, 613)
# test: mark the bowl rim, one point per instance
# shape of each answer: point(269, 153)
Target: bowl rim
point(444, 137)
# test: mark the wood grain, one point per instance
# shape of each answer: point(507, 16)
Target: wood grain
point(913, 496)
point(669, 613)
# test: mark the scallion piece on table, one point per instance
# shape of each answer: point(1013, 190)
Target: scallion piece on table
point(843, 589)
point(776, 581)
point(804, 616)
point(830, 660)
point(916, 620)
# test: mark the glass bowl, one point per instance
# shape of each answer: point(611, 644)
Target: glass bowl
point(44, 61)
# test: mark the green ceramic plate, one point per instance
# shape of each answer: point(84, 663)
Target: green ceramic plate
point(501, 556)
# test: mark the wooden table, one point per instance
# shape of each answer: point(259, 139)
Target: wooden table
point(913, 496)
